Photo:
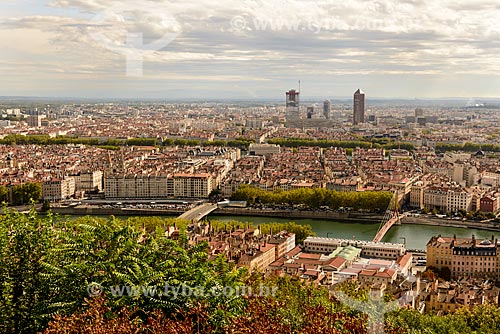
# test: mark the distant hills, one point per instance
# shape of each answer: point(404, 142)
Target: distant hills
point(375, 101)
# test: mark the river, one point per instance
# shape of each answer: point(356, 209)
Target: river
point(415, 236)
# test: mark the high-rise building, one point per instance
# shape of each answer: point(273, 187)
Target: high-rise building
point(296, 119)
point(310, 112)
point(419, 112)
point(359, 107)
point(34, 119)
point(292, 109)
point(327, 106)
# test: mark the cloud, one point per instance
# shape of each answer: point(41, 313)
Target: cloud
point(272, 39)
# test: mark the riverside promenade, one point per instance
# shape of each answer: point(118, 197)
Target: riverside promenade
point(354, 217)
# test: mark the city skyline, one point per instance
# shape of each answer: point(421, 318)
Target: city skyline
point(358, 107)
point(254, 49)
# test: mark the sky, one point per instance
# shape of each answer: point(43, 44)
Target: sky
point(253, 49)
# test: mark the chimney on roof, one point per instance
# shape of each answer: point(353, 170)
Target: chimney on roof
point(473, 240)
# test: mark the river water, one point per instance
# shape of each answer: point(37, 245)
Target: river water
point(415, 236)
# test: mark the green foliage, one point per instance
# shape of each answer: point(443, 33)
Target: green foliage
point(484, 319)
point(301, 231)
point(353, 290)
point(46, 140)
point(114, 144)
point(109, 147)
point(25, 294)
point(141, 142)
point(315, 198)
point(401, 145)
point(348, 144)
point(45, 206)
point(47, 269)
point(26, 193)
point(110, 143)
point(467, 147)
point(183, 142)
point(295, 142)
point(4, 194)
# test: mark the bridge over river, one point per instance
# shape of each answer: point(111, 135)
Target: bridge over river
point(391, 217)
point(199, 212)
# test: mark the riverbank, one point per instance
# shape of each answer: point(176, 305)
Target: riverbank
point(347, 217)
point(291, 214)
point(356, 217)
point(87, 210)
point(430, 221)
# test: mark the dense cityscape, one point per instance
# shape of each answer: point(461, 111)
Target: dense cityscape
point(258, 166)
point(433, 165)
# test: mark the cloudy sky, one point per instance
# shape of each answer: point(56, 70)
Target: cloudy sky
point(249, 48)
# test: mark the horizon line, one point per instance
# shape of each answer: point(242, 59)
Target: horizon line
point(316, 98)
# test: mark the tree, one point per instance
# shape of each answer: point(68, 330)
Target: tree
point(4, 194)
point(110, 254)
point(315, 197)
point(32, 192)
point(215, 195)
point(26, 193)
point(25, 242)
point(99, 318)
point(445, 273)
point(45, 206)
point(17, 195)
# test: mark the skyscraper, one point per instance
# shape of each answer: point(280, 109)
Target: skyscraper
point(310, 112)
point(359, 107)
point(292, 113)
point(327, 108)
point(34, 119)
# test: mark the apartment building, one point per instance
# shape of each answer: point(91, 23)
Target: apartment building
point(381, 276)
point(88, 181)
point(448, 198)
point(283, 241)
point(382, 250)
point(448, 297)
point(490, 179)
point(264, 149)
point(260, 259)
point(490, 203)
point(465, 257)
point(353, 183)
point(459, 199)
point(417, 195)
point(193, 185)
point(58, 189)
point(133, 186)
point(176, 186)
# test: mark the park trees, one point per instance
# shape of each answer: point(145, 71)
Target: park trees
point(316, 197)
